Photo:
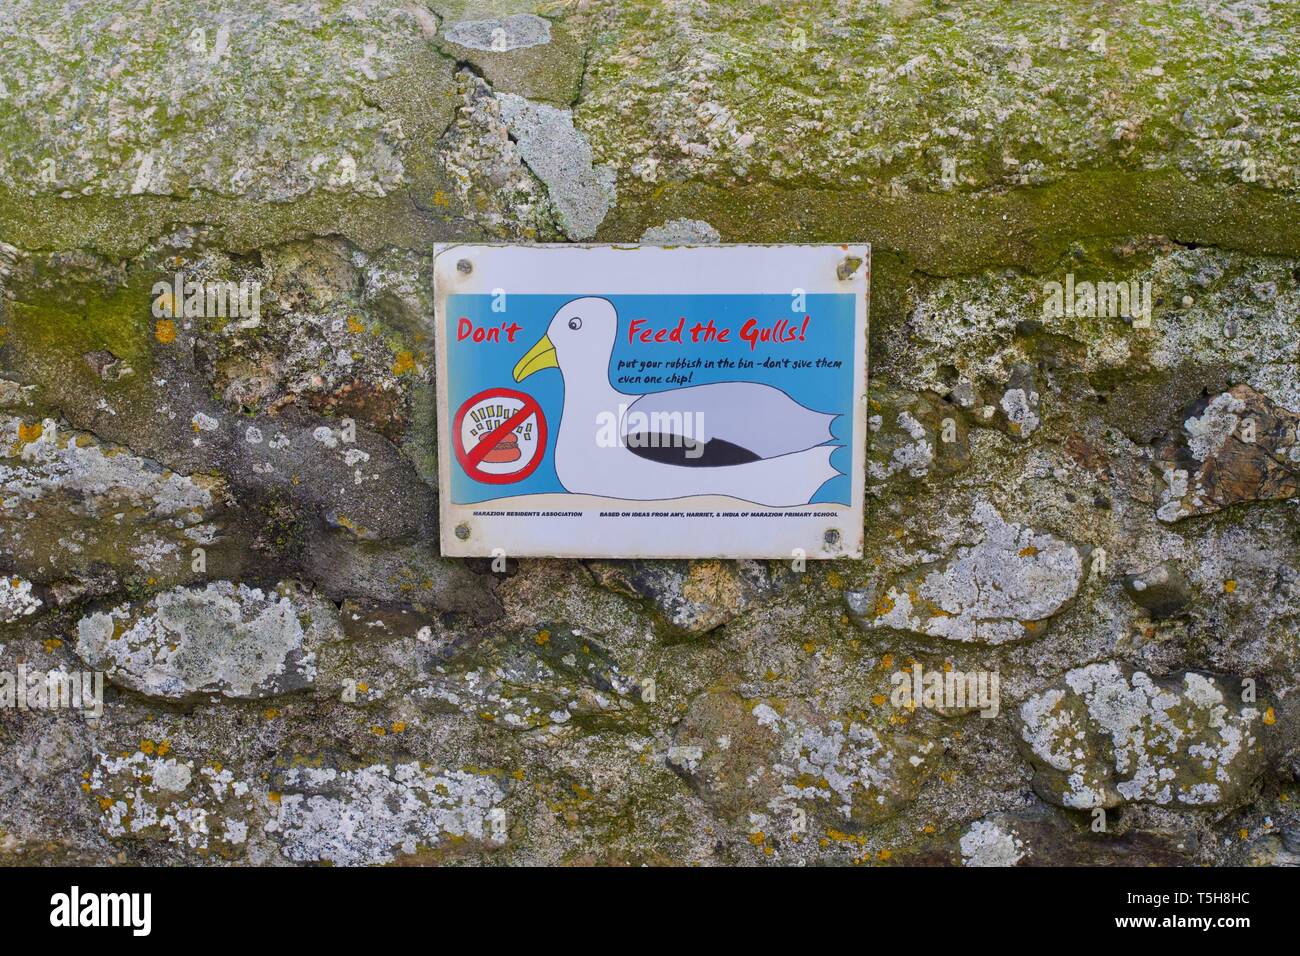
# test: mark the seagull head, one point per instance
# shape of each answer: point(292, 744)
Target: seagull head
point(581, 335)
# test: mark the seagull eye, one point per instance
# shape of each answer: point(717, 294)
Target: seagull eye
point(575, 324)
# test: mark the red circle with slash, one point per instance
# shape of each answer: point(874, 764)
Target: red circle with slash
point(472, 460)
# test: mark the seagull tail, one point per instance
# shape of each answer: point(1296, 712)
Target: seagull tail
point(828, 421)
point(824, 462)
point(815, 469)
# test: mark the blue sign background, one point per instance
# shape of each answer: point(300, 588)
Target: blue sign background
point(475, 366)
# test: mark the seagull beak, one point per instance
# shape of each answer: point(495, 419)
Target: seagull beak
point(540, 356)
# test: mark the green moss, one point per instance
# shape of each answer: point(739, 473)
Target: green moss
point(121, 228)
point(50, 333)
point(809, 94)
point(118, 322)
point(421, 444)
point(958, 234)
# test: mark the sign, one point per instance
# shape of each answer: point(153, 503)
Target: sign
point(490, 429)
point(651, 401)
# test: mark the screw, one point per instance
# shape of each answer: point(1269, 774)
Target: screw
point(831, 537)
point(464, 266)
point(462, 531)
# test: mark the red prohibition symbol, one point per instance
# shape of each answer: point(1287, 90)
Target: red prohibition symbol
point(501, 442)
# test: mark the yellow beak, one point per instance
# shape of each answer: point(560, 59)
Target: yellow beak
point(540, 356)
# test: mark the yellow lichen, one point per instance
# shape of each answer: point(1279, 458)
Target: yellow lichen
point(405, 363)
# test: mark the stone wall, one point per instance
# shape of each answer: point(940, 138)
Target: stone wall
point(235, 519)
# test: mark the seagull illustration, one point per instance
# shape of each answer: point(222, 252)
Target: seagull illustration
point(743, 439)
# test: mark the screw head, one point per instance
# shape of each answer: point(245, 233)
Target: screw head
point(831, 537)
point(465, 267)
point(462, 531)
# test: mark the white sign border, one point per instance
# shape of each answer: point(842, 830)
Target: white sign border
point(632, 268)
